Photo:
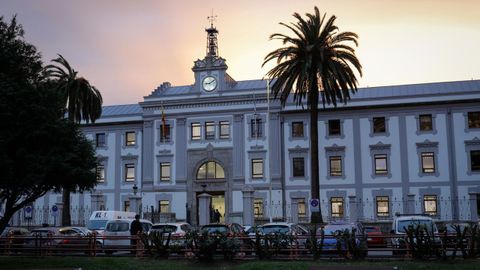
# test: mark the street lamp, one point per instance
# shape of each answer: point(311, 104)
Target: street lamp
point(135, 189)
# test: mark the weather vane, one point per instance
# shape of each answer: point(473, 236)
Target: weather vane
point(212, 18)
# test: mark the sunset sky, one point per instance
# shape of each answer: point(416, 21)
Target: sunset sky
point(127, 48)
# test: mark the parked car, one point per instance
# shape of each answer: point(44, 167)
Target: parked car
point(78, 239)
point(12, 239)
point(375, 236)
point(177, 232)
point(296, 235)
point(117, 234)
point(452, 235)
point(331, 231)
point(231, 230)
point(401, 224)
point(42, 240)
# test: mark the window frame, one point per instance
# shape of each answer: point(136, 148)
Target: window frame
point(162, 204)
point(473, 123)
point(256, 127)
point(195, 128)
point(421, 124)
point(166, 165)
point(472, 168)
point(375, 127)
point(430, 198)
point(98, 143)
point(423, 157)
point(380, 157)
point(332, 172)
point(215, 173)
point(334, 132)
point(341, 202)
point(167, 136)
point(382, 199)
point(222, 124)
point(97, 171)
point(209, 130)
point(298, 124)
point(129, 141)
point(126, 206)
point(301, 204)
point(294, 171)
point(258, 207)
point(254, 174)
point(127, 167)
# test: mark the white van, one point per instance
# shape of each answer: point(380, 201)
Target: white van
point(117, 234)
point(98, 220)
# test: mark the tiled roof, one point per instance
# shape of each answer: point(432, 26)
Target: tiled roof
point(117, 110)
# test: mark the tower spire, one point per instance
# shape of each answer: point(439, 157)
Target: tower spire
point(212, 42)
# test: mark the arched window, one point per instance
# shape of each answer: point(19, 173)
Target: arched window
point(210, 170)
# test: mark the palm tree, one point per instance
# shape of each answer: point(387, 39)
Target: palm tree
point(316, 62)
point(82, 101)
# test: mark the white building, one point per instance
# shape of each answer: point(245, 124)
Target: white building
point(406, 149)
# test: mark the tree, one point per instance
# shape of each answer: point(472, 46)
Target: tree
point(83, 102)
point(40, 151)
point(317, 62)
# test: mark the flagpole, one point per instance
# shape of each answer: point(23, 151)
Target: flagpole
point(268, 152)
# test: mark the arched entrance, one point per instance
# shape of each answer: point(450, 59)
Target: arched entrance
point(211, 177)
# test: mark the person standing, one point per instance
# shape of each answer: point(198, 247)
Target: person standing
point(217, 216)
point(135, 229)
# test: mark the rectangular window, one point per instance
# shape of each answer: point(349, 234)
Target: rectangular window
point(100, 139)
point(224, 129)
point(335, 166)
point(430, 204)
point(381, 164)
point(164, 133)
point(256, 127)
point(474, 120)
point(196, 131)
point(126, 206)
point(297, 129)
point(298, 167)
point(130, 138)
point(258, 207)
point(164, 206)
point(428, 162)
point(100, 173)
point(302, 209)
point(257, 168)
point(383, 206)
point(379, 125)
point(209, 130)
point(334, 128)
point(129, 172)
point(475, 160)
point(336, 205)
point(425, 122)
point(165, 171)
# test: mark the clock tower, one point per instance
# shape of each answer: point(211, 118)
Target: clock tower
point(210, 72)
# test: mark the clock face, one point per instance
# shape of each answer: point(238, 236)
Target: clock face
point(209, 83)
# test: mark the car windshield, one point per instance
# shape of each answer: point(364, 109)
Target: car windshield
point(117, 227)
point(96, 224)
point(404, 224)
point(274, 229)
point(164, 228)
point(215, 229)
point(331, 229)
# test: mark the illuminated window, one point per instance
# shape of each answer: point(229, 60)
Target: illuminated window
point(257, 168)
point(425, 122)
point(381, 164)
point(336, 205)
point(130, 138)
point(258, 207)
point(475, 160)
point(100, 173)
point(474, 120)
point(335, 166)
point(379, 125)
point(196, 131)
point(210, 170)
point(297, 129)
point(165, 171)
point(100, 139)
point(430, 204)
point(428, 162)
point(298, 167)
point(334, 128)
point(129, 172)
point(224, 129)
point(383, 206)
point(302, 209)
point(209, 130)
point(164, 206)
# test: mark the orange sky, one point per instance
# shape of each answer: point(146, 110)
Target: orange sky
point(127, 48)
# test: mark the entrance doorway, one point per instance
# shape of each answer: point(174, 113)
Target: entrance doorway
point(217, 202)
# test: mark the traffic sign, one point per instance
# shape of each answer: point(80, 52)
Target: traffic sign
point(54, 210)
point(314, 205)
point(27, 212)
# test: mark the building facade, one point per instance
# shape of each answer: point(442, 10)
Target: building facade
point(394, 149)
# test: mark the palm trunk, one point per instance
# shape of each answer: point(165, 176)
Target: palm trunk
point(316, 217)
